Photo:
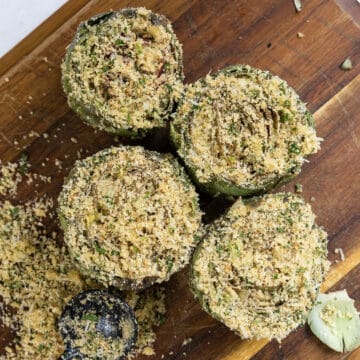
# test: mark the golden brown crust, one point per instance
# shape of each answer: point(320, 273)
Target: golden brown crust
point(129, 216)
point(259, 267)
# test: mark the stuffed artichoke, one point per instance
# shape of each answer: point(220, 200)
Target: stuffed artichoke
point(242, 131)
point(120, 71)
point(130, 217)
point(259, 267)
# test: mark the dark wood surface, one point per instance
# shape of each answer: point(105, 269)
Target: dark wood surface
point(214, 34)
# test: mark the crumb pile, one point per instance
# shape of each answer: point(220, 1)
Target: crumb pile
point(37, 279)
point(13, 173)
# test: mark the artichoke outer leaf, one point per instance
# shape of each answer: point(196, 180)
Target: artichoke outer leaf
point(335, 321)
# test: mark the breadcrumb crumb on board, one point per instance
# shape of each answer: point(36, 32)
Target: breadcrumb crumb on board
point(37, 279)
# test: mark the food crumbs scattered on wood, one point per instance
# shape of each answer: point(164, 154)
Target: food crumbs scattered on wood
point(300, 35)
point(346, 64)
point(34, 264)
point(312, 199)
point(298, 5)
point(20, 117)
point(58, 164)
point(186, 341)
point(7, 79)
point(33, 133)
point(73, 140)
point(298, 188)
point(339, 251)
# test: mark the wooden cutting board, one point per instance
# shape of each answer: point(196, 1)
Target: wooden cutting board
point(214, 34)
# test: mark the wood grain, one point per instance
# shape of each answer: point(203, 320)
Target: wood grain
point(214, 33)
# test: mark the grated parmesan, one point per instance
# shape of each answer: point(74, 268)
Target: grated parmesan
point(129, 216)
point(260, 266)
point(248, 130)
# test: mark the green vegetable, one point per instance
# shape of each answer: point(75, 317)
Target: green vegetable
point(294, 148)
point(242, 171)
point(90, 317)
point(97, 47)
point(298, 188)
point(99, 249)
point(346, 64)
point(119, 42)
point(335, 321)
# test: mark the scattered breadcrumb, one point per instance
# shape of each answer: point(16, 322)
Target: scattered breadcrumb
point(7, 79)
point(298, 5)
point(58, 163)
point(346, 64)
point(33, 133)
point(74, 140)
point(45, 135)
point(312, 198)
point(300, 35)
point(339, 251)
point(10, 178)
point(187, 341)
point(298, 188)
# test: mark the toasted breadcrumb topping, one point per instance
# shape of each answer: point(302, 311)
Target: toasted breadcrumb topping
point(260, 266)
point(122, 69)
point(37, 279)
point(243, 126)
point(129, 216)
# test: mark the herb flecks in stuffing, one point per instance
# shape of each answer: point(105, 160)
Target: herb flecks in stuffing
point(119, 72)
point(248, 131)
point(129, 216)
point(260, 266)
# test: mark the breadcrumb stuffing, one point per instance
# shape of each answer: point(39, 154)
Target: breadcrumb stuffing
point(260, 266)
point(129, 216)
point(243, 127)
